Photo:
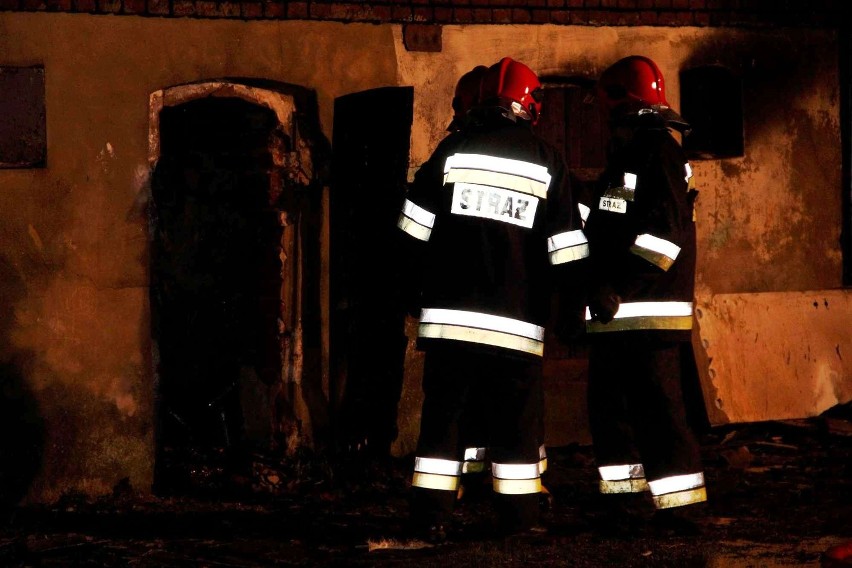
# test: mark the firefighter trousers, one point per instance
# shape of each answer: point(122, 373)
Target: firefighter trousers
point(637, 418)
point(510, 391)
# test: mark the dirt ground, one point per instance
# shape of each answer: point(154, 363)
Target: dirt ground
point(780, 495)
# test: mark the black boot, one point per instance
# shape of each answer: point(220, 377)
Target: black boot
point(677, 521)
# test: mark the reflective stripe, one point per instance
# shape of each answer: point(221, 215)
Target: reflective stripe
point(687, 168)
point(645, 315)
point(418, 214)
point(413, 228)
point(517, 486)
point(676, 483)
point(484, 337)
point(518, 175)
point(617, 472)
point(434, 481)
point(474, 454)
point(542, 459)
point(688, 497)
point(482, 321)
point(567, 246)
point(416, 221)
point(584, 212)
point(629, 180)
point(473, 460)
point(436, 465)
point(657, 251)
point(623, 486)
point(515, 470)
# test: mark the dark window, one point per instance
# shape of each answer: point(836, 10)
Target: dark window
point(23, 132)
point(711, 102)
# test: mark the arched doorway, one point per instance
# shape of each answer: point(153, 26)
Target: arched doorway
point(233, 232)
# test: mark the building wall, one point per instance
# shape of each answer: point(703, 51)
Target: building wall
point(73, 236)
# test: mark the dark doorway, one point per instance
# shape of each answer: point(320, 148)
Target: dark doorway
point(369, 172)
point(215, 278)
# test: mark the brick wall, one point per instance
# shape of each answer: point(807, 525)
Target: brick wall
point(704, 13)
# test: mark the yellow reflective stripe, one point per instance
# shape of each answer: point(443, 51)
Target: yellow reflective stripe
point(519, 175)
point(480, 320)
point(569, 255)
point(413, 228)
point(542, 465)
point(681, 498)
point(517, 486)
point(622, 486)
point(435, 481)
point(676, 483)
point(484, 337)
point(567, 247)
point(650, 322)
point(645, 315)
point(437, 465)
point(657, 251)
point(473, 467)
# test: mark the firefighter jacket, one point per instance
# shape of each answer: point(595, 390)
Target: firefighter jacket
point(641, 231)
point(491, 227)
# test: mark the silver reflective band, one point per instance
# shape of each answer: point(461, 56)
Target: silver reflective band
point(655, 250)
point(688, 168)
point(567, 247)
point(437, 466)
point(645, 315)
point(419, 214)
point(521, 176)
point(584, 212)
point(482, 321)
point(474, 454)
point(617, 472)
point(416, 221)
point(641, 309)
point(676, 483)
point(515, 470)
point(629, 180)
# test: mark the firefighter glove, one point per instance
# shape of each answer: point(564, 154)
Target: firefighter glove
point(603, 304)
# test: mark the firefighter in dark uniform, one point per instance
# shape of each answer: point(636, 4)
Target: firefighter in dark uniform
point(473, 420)
point(641, 235)
point(491, 225)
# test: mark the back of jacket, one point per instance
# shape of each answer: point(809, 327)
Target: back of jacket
point(642, 233)
point(492, 221)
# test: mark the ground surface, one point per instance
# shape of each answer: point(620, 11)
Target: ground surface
point(780, 495)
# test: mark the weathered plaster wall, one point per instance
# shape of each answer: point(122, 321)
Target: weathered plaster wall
point(73, 236)
point(73, 240)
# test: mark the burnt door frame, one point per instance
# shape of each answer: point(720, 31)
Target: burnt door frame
point(294, 192)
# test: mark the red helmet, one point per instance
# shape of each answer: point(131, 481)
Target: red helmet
point(466, 95)
point(634, 83)
point(511, 83)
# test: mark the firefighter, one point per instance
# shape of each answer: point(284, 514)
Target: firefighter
point(475, 468)
point(491, 225)
point(641, 235)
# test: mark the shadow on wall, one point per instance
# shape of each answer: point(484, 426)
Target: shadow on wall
point(22, 442)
